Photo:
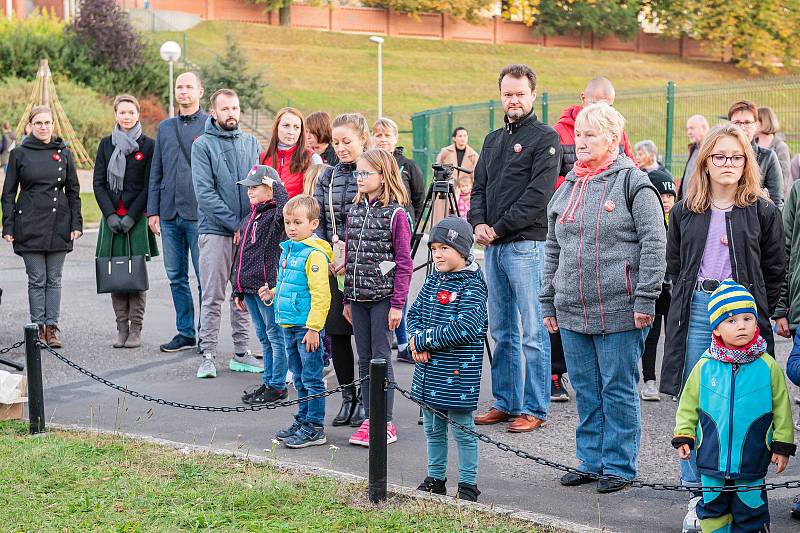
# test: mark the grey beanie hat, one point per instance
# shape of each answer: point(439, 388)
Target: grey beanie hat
point(455, 232)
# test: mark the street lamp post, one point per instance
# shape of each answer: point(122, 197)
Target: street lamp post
point(171, 52)
point(379, 41)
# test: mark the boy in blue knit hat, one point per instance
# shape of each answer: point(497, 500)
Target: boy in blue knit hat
point(447, 325)
point(734, 410)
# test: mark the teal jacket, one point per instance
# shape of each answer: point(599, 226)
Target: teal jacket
point(302, 293)
point(220, 158)
point(738, 415)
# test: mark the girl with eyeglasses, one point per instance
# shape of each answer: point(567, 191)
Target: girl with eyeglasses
point(378, 268)
point(725, 228)
point(42, 216)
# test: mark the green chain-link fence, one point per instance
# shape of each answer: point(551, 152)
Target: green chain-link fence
point(658, 114)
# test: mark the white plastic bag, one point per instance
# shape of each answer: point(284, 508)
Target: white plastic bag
point(9, 387)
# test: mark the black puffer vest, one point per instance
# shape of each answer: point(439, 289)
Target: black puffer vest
point(369, 243)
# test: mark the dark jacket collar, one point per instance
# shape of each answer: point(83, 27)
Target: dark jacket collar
point(35, 144)
point(194, 116)
point(511, 127)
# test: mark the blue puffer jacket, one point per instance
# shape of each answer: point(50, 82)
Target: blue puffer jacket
point(793, 364)
point(220, 158)
point(302, 292)
point(448, 319)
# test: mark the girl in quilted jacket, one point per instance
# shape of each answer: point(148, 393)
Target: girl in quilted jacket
point(377, 273)
point(447, 324)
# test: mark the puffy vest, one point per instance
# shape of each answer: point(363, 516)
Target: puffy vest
point(292, 295)
point(369, 243)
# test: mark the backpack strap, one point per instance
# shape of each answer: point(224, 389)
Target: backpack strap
point(630, 197)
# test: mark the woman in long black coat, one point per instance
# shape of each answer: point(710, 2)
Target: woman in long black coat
point(42, 217)
point(121, 180)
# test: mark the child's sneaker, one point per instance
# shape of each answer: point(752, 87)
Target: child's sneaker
point(361, 437)
point(246, 362)
point(391, 433)
point(434, 486)
point(691, 524)
point(467, 492)
point(288, 432)
point(264, 395)
point(307, 435)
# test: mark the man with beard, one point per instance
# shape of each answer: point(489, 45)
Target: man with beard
point(222, 156)
point(514, 180)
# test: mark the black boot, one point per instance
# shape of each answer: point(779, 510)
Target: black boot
point(348, 407)
point(467, 492)
point(359, 415)
point(433, 485)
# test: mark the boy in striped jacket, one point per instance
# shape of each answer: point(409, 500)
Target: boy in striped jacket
point(448, 323)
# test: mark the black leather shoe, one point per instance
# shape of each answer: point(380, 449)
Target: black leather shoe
point(359, 414)
point(607, 485)
point(347, 409)
point(573, 480)
point(467, 492)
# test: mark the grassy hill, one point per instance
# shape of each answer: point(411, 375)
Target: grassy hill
point(336, 72)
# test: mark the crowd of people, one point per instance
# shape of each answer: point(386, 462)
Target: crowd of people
point(592, 251)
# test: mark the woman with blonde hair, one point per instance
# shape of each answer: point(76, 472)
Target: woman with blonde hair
point(724, 228)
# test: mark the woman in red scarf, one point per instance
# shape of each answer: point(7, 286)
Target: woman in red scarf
point(287, 151)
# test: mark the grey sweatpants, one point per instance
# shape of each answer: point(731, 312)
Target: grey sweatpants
point(216, 260)
point(44, 285)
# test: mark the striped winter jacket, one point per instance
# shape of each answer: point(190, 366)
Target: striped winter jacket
point(448, 319)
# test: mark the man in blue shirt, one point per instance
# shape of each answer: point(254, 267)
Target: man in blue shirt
point(172, 205)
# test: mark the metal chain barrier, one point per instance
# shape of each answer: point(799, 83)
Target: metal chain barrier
point(793, 484)
point(212, 409)
point(12, 347)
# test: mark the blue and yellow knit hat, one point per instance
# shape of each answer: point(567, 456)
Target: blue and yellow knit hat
point(730, 299)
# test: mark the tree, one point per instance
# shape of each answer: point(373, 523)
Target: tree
point(230, 72)
point(470, 10)
point(103, 27)
point(756, 33)
point(525, 11)
point(590, 17)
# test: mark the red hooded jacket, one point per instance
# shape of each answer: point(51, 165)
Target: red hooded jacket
point(566, 132)
point(292, 181)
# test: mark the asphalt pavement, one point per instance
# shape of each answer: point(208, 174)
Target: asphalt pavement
point(87, 323)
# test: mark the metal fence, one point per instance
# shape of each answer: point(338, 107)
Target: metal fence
point(658, 114)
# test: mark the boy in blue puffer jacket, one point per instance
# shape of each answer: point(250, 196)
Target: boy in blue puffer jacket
point(302, 298)
point(734, 410)
point(447, 324)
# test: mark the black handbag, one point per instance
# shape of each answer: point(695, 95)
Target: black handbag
point(123, 274)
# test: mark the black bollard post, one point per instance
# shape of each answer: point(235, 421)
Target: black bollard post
point(33, 360)
point(377, 430)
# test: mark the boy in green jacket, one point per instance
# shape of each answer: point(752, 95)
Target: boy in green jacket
point(734, 410)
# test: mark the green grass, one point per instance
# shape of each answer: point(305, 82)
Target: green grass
point(90, 210)
point(67, 481)
point(337, 72)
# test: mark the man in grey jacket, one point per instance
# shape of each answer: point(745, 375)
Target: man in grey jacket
point(222, 156)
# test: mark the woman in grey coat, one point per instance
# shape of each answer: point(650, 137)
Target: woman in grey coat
point(603, 270)
point(769, 136)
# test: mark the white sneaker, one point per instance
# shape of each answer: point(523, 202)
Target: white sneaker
point(649, 392)
point(207, 368)
point(691, 524)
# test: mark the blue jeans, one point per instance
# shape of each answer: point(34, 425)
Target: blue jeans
point(179, 240)
point(604, 371)
point(514, 278)
point(401, 332)
point(436, 435)
point(697, 342)
point(306, 370)
point(270, 335)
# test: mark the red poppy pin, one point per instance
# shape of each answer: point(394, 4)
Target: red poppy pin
point(445, 297)
point(138, 156)
point(56, 157)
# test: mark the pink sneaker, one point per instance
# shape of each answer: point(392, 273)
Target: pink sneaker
point(391, 433)
point(361, 437)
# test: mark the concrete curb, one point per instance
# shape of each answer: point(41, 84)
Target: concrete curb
point(293, 467)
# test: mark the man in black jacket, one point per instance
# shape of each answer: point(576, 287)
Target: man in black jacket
point(514, 180)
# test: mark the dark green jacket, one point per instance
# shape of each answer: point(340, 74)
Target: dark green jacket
point(789, 303)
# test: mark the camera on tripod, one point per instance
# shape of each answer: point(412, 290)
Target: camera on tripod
point(445, 172)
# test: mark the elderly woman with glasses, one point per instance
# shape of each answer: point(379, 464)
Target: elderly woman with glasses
point(724, 228)
point(42, 216)
point(603, 272)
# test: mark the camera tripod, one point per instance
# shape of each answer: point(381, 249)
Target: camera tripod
point(438, 190)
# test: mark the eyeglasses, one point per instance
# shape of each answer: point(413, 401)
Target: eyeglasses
point(745, 123)
point(363, 174)
point(43, 124)
point(720, 160)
